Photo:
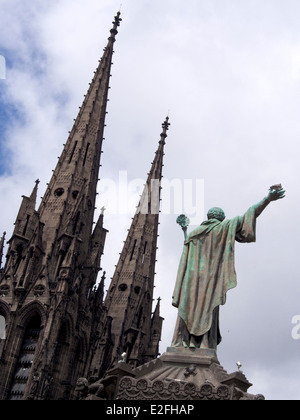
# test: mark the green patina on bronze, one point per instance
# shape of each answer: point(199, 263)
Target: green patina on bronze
point(206, 271)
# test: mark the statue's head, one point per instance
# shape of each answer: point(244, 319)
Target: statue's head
point(216, 213)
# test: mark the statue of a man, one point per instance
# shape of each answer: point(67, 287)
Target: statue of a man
point(206, 272)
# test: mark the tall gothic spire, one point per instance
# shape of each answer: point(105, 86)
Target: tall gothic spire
point(49, 297)
point(129, 299)
point(68, 204)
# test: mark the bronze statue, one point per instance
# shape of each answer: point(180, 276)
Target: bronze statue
point(206, 272)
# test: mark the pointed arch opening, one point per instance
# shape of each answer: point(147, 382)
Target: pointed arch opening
point(25, 358)
point(26, 225)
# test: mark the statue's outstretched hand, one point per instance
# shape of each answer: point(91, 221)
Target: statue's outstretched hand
point(276, 193)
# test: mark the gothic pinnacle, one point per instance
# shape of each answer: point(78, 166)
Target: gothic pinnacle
point(165, 127)
point(166, 124)
point(114, 30)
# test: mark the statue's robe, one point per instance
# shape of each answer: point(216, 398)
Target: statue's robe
point(206, 273)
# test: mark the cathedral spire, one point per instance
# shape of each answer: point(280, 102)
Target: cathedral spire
point(129, 299)
point(53, 260)
point(150, 198)
point(68, 205)
point(33, 195)
point(116, 24)
point(24, 225)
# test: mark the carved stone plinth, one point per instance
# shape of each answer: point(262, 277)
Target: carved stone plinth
point(184, 374)
point(179, 374)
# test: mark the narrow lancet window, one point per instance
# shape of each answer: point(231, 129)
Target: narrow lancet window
point(26, 225)
point(86, 153)
point(73, 151)
point(144, 253)
point(133, 249)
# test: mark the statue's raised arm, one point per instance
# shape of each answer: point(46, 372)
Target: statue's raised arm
point(276, 192)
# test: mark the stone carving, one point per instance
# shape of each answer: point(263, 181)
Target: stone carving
point(142, 389)
point(39, 290)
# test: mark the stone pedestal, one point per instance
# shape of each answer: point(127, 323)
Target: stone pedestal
point(179, 374)
point(185, 374)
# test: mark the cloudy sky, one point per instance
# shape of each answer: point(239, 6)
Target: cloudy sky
point(228, 74)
